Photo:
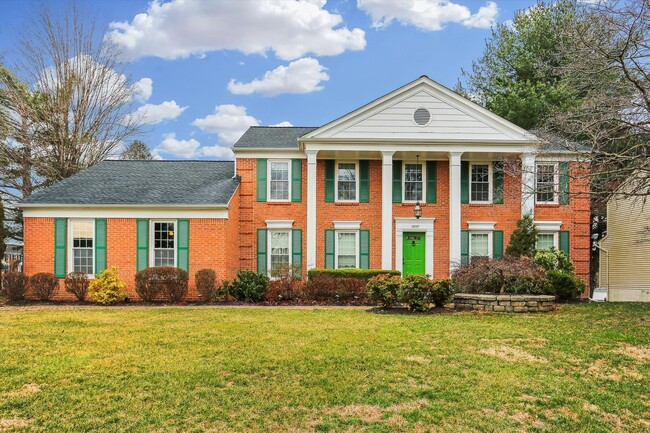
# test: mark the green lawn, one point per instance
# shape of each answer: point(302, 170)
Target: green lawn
point(585, 368)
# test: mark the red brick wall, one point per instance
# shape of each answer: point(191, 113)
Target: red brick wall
point(213, 244)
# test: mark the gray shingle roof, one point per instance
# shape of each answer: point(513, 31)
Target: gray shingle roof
point(271, 137)
point(555, 143)
point(144, 183)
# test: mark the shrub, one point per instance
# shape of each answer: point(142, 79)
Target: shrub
point(383, 289)
point(564, 285)
point(248, 286)
point(507, 275)
point(441, 292)
point(206, 284)
point(523, 238)
point(162, 280)
point(341, 286)
point(77, 284)
point(553, 260)
point(285, 285)
point(15, 285)
point(364, 274)
point(415, 292)
point(43, 285)
point(107, 288)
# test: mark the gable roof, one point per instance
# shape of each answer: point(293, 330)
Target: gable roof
point(453, 118)
point(133, 183)
point(271, 137)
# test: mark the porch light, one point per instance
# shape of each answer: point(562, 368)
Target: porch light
point(171, 233)
point(417, 210)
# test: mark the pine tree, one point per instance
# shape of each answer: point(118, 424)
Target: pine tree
point(523, 239)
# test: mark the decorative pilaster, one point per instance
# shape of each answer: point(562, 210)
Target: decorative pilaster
point(387, 210)
point(311, 208)
point(528, 184)
point(454, 210)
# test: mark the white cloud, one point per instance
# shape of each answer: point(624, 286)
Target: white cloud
point(142, 89)
point(427, 14)
point(228, 121)
point(291, 29)
point(179, 148)
point(150, 114)
point(217, 152)
point(283, 124)
point(302, 76)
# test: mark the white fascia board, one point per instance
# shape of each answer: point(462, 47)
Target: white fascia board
point(174, 212)
point(347, 225)
point(425, 146)
point(548, 226)
point(481, 225)
point(270, 153)
point(279, 224)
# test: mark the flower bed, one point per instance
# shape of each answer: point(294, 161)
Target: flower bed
point(509, 303)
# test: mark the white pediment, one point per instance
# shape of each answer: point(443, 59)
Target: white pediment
point(452, 118)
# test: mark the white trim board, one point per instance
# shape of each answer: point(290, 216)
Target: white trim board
point(425, 225)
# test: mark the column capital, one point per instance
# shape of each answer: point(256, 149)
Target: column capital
point(387, 156)
point(311, 156)
point(527, 158)
point(454, 157)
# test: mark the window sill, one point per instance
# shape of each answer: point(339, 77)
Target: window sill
point(346, 203)
point(279, 203)
point(547, 204)
point(479, 204)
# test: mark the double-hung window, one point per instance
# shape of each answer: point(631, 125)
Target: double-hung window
point(413, 182)
point(280, 250)
point(347, 186)
point(347, 249)
point(479, 245)
point(163, 237)
point(546, 183)
point(82, 236)
point(546, 240)
point(279, 176)
point(480, 179)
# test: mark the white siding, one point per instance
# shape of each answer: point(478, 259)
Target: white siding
point(628, 243)
point(395, 120)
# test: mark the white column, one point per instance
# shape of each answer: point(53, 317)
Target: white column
point(311, 208)
point(454, 210)
point(387, 210)
point(528, 184)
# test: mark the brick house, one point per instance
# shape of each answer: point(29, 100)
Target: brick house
point(340, 195)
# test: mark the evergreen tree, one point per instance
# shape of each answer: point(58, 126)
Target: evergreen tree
point(523, 239)
point(137, 150)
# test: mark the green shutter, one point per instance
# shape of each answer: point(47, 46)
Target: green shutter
point(142, 257)
point(464, 247)
point(564, 182)
point(329, 181)
point(296, 251)
point(432, 181)
point(397, 181)
point(100, 245)
point(564, 242)
point(329, 249)
point(60, 250)
point(296, 180)
point(183, 244)
point(497, 182)
point(261, 179)
point(497, 244)
point(364, 249)
point(364, 181)
point(261, 251)
point(464, 182)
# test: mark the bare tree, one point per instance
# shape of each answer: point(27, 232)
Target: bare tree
point(65, 104)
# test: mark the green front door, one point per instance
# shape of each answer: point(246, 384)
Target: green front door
point(413, 254)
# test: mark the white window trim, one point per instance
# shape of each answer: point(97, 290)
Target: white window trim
point(152, 255)
point(70, 252)
point(556, 182)
point(347, 225)
point(336, 181)
point(268, 180)
point(556, 238)
point(279, 224)
point(424, 181)
point(490, 182)
point(268, 247)
point(336, 247)
point(481, 225)
point(548, 226)
point(490, 241)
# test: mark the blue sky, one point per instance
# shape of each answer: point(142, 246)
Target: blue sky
point(206, 70)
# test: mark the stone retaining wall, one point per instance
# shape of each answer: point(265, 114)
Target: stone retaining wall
point(511, 303)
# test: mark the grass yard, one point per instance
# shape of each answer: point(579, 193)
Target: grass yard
point(585, 368)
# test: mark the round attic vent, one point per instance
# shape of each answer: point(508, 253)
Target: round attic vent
point(422, 117)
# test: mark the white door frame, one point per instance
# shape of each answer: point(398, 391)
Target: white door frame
point(425, 225)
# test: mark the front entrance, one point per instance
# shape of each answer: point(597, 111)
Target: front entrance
point(413, 253)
